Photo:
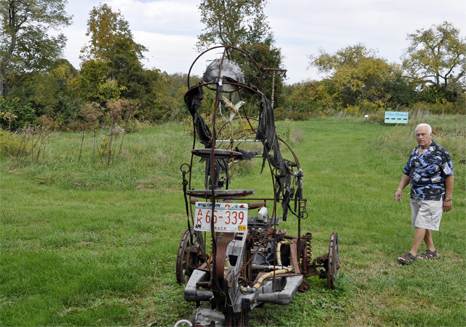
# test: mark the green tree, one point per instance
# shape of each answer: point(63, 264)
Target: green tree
point(266, 55)
point(95, 84)
point(49, 93)
point(232, 22)
point(243, 24)
point(402, 93)
point(25, 44)
point(437, 57)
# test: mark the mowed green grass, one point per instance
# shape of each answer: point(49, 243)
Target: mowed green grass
point(91, 245)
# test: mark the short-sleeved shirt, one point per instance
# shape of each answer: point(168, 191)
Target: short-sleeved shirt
point(427, 172)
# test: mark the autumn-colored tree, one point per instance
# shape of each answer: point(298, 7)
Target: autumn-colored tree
point(25, 43)
point(112, 68)
point(311, 96)
point(349, 56)
point(437, 57)
point(110, 34)
point(107, 56)
point(356, 75)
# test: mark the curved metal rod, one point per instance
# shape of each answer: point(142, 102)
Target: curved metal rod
point(255, 63)
point(202, 53)
point(292, 152)
point(215, 82)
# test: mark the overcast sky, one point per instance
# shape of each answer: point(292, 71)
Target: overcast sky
point(169, 29)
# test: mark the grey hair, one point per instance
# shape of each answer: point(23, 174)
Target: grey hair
point(421, 125)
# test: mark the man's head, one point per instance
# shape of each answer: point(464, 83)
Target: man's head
point(423, 135)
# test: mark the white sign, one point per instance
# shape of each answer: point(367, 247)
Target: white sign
point(227, 217)
point(396, 117)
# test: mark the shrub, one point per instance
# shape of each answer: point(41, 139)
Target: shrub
point(47, 122)
point(25, 114)
point(9, 143)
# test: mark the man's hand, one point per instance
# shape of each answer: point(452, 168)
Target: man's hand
point(399, 191)
point(447, 206)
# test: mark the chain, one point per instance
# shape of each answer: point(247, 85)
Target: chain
point(185, 186)
point(302, 207)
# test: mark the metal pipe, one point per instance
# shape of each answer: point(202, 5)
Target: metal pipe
point(272, 273)
point(279, 245)
point(266, 267)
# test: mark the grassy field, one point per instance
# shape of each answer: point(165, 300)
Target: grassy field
point(90, 245)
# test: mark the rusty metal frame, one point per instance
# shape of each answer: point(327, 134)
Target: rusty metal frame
point(298, 247)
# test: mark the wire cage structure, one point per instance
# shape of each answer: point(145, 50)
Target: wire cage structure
point(233, 256)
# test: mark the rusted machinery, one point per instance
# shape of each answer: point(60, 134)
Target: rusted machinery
point(233, 255)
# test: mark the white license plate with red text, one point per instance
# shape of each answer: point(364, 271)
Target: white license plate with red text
point(227, 217)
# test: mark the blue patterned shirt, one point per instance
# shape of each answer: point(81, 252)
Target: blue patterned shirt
point(427, 172)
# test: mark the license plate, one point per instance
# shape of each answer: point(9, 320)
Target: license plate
point(227, 217)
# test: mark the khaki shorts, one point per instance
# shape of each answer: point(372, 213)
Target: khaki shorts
point(426, 214)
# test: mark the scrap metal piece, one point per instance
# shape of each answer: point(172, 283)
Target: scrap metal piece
point(333, 264)
point(192, 292)
point(218, 153)
point(208, 317)
point(304, 287)
point(220, 194)
point(285, 296)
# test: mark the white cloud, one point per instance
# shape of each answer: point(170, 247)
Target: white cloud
point(302, 27)
point(171, 53)
point(170, 28)
point(170, 17)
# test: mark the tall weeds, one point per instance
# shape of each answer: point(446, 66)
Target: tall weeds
point(91, 113)
point(119, 111)
point(26, 144)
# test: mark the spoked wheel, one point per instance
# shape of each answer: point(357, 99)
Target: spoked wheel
point(333, 262)
point(190, 255)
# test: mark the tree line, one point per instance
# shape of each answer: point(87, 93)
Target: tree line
point(37, 85)
point(357, 80)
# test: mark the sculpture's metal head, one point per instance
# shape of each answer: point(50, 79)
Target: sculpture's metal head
point(227, 68)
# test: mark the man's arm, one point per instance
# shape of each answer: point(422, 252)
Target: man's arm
point(399, 192)
point(449, 183)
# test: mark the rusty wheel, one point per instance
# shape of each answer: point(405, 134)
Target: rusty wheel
point(190, 255)
point(333, 262)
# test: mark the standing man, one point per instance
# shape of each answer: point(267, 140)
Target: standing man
point(430, 172)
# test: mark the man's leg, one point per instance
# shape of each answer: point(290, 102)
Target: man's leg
point(428, 240)
point(419, 235)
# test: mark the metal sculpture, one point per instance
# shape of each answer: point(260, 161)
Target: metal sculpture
point(230, 257)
